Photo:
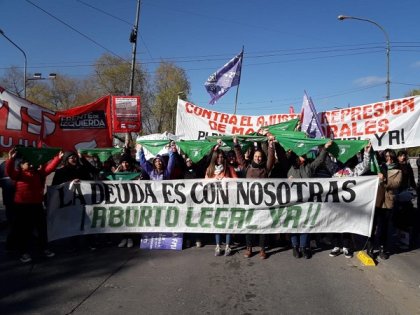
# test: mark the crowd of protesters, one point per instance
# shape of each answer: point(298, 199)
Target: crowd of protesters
point(23, 187)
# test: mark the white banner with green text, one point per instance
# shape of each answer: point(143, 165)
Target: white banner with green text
point(255, 206)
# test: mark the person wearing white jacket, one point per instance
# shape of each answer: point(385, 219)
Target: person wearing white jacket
point(342, 241)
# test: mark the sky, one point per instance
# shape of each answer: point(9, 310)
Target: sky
point(289, 46)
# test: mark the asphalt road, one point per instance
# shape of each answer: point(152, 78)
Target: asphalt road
point(111, 280)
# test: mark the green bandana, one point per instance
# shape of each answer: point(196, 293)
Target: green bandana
point(195, 149)
point(37, 156)
point(123, 176)
point(289, 125)
point(154, 146)
point(344, 150)
point(300, 146)
point(102, 153)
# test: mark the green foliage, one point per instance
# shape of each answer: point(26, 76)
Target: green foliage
point(413, 92)
point(111, 76)
point(413, 152)
point(170, 80)
point(13, 80)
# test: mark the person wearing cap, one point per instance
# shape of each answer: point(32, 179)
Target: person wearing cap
point(29, 212)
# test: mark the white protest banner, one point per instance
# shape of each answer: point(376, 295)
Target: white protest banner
point(393, 124)
point(318, 205)
point(196, 123)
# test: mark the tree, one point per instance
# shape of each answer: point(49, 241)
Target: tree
point(13, 80)
point(413, 92)
point(170, 80)
point(113, 75)
point(61, 93)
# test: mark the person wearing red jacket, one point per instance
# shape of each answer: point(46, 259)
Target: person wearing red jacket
point(28, 199)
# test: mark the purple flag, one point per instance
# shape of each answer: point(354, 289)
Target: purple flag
point(223, 79)
point(309, 118)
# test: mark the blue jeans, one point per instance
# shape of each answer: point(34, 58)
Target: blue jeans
point(299, 240)
point(218, 239)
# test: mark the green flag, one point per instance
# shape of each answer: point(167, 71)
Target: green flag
point(102, 153)
point(154, 146)
point(195, 149)
point(37, 156)
point(343, 150)
point(229, 139)
point(245, 141)
point(123, 176)
point(289, 125)
point(374, 165)
point(301, 146)
point(288, 134)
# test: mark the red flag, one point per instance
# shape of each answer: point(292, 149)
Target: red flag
point(28, 124)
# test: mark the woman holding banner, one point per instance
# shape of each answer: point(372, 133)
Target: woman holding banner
point(302, 169)
point(351, 168)
point(75, 168)
point(219, 169)
point(258, 167)
point(126, 170)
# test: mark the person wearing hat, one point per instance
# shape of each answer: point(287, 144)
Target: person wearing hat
point(29, 212)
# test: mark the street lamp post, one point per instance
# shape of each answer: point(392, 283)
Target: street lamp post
point(25, 65)
point(133, 40)
point(388, 48)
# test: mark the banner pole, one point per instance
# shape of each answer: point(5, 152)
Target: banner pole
point(237, 88)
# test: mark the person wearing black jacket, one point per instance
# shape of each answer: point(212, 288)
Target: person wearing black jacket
point(75, 168)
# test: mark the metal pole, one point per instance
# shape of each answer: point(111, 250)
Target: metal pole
point(25, 65)
point(388, 48)
point(133, 40)
point(236, 99)
point(237, 88)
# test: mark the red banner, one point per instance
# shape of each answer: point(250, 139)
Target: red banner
point(24, 123)
point(126, 114)
point(84, 126)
